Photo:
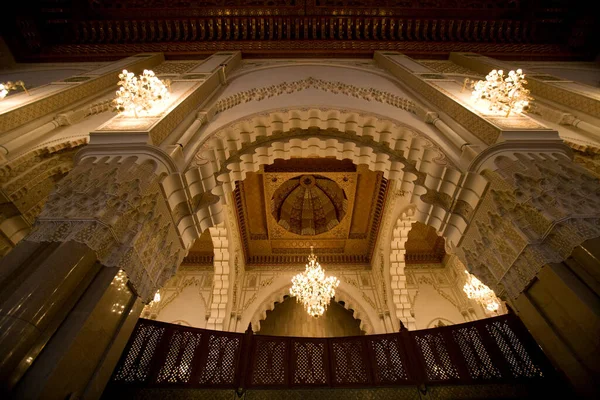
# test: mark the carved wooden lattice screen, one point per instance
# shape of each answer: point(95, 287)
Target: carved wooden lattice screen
point(495, 350)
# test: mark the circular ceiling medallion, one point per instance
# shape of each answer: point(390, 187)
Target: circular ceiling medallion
point(309, 205)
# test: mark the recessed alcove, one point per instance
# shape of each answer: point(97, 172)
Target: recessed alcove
point(289, 318)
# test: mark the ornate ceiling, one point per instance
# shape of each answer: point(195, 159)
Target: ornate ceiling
point(107, 29)
point(309, 205)
point(291, 205)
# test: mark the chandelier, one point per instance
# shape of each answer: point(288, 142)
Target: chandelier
point(8, 86)
point(503, 93)
point(312, 288)
point(120, 282)
point(139, 94)
point(476, 290)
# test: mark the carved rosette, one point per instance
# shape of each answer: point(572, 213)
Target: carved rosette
point(115, 207)
point(538, 209)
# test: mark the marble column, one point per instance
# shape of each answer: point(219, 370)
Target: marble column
point(40, 285)
point(78, 361)
point(64, 321)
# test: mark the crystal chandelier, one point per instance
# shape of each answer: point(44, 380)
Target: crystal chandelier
point(120, 282)
point(8, 86)
point(140, 94)
point(503, 93)
point(476, 290)
point(312, 288)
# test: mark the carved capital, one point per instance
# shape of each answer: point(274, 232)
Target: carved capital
point(431, 117)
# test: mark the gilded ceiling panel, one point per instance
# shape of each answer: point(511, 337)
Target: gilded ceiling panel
point(291, 205)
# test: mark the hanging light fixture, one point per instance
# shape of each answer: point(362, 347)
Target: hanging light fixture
point(312, 288)
point(476, 290)
point(502, 93)
point(139, 95)
point(8, 86)
point(120, 282)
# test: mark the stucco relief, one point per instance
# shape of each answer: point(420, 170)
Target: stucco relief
point(538, 209)
point(364, 93)
point(25, 184)
point(116, 207)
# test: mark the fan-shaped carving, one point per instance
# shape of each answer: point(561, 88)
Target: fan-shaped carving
point(309, 205)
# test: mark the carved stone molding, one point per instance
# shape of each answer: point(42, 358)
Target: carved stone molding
point(115, 206)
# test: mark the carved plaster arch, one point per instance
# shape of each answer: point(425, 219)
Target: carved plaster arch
point(539, 207)
point(277, 296)
point(404, 308)
point(437, 187)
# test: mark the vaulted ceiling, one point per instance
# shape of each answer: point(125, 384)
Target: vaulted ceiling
point(56, 30)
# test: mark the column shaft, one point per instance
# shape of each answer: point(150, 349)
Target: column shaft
point(34, 303)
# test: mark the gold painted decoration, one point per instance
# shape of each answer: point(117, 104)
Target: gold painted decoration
point(309, 205)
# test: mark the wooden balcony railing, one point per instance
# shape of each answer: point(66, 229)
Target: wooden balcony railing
point(494, 350)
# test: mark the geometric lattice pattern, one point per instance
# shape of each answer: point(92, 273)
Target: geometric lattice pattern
point(178, 365)
point(270, 362)
point(136, 365)
point(389, 366)
point(433, 349)
point(221, 361)
point(519, 360)
point(478, 360)
point(349, 362)
point(492, 352)
point(309, 366)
